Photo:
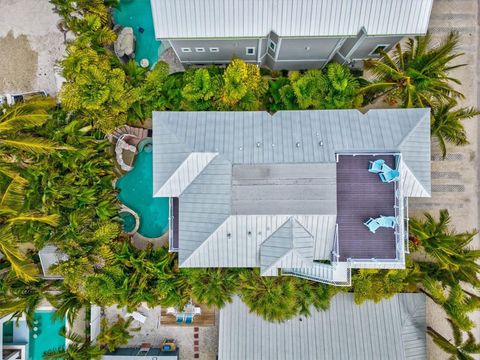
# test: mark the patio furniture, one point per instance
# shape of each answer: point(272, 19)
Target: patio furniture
point(169, 345)
point(387, 221)
point(138, 316)
point(388, 174)
point(188, 318)
point(372, 225)
point(171, 311)
point(197, 311)
point(180, 318)
point(376, 166)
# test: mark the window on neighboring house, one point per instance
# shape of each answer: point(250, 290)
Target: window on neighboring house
point(378, 48)
point(199, 49)
point(250, 50)
point(214, 49)
point(186, 50)
point(272, 45)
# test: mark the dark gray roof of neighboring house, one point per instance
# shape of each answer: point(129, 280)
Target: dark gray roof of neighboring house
point(393, 329)
point(247, 18)
point(204, 158)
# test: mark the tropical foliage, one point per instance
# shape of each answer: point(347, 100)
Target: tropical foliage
point(115, 335)
point(417, 75)
point(79, 348)
point(452, 259)
point(460, 348)
point(447, 124)
point(334, 88)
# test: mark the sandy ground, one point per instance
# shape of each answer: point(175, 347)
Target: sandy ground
point(30, 45)
point(455, 180)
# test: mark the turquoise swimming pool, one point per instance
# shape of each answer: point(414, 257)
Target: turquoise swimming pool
point(137, 14)
point(48, 337)
point(136, 190)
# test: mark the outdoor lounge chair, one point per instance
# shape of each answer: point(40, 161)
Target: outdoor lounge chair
point(387, 221)
point(171, 311)
point(372, 225)
point(376, 166)
point(180, 318)
point(389, 176)
point(188, 318)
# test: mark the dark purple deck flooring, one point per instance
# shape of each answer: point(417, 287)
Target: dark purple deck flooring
point(361, 195)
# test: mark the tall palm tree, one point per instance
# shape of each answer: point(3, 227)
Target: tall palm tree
point(112, 336)
point(457, 304)
point(459, 349)
point(16, 123)
point(12, 213)
point(79, 348)
point(272, 297)
point(418, 75)
point(448, 248)
point(213, 286)
point(447, 124)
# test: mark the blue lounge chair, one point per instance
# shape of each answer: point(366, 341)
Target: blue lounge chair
point(180, 318)
point(376, 166)
point(188, 318)
point(389, 176)
point(387, 221)
point(372, 225)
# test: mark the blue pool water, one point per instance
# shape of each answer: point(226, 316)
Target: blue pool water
point(48, 337)
point(136, 190)
point(138, 14)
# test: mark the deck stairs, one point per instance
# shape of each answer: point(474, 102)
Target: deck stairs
point(338, 273)
point(138, 132)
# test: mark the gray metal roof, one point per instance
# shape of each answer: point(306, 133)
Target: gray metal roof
point(284, 189)
point(291, 246)
point(392, 329)
point(242, 175)
point(247, 18)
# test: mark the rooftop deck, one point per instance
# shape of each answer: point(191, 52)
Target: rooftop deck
point(361, 195)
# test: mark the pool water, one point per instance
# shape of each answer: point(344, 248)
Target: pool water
point(48, 337)
point(128, 221)
point(136, 192)
point(7, 332)
point(138, 14)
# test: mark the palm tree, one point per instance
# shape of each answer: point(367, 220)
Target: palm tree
point(272, 297)
point(80, 348)
point(15, 123)
point(459, 349)
point(457, 304)
point(446, 124)
point(66, 303)
point(448, 248)
point(115, 335)
point(418, 75)
point(11, 214)
point(213, 286)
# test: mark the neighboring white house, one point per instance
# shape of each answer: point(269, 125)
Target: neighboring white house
point(394, 329)
point(286, 34)
point(290, 192)
point(14, 338)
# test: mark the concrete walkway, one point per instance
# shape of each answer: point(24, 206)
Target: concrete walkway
point(455, 179)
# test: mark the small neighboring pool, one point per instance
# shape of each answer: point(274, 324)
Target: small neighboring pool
point(138, 14)
point(136, 192)
point(48, 337)
point(128, 221)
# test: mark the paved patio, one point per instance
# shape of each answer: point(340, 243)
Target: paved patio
point(191, 340)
